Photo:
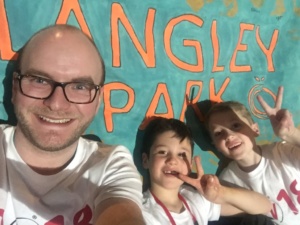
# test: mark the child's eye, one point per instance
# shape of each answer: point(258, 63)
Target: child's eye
point(161, 152)
point(217, 134)
point(182, 155)
point(236, 126)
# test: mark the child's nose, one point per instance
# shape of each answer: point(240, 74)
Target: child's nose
point(228, 135)
point(171, 159)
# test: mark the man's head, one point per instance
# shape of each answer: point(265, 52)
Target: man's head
point(232, 129)
point(49, 116)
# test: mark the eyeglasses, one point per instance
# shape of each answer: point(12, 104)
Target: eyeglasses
point(42, 88)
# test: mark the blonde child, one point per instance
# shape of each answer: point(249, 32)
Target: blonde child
point(272, 169)
point(167, 154)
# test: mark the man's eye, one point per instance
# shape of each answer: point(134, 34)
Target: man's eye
point(82, 86)
point(38, 80)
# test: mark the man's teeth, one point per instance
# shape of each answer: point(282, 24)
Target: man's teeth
point(55, 121)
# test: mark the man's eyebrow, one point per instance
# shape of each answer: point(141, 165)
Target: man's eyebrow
point(37, 73)
point(85, 79)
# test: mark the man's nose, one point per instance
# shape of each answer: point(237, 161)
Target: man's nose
point(57, 100)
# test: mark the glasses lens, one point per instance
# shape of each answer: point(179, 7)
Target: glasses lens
point(35, 86)
point(80, 92)
point(42, 88)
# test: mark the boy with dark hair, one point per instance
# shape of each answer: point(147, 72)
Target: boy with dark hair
point(167, 154)
point(271, 169)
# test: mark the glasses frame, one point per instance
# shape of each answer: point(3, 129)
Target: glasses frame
point(18, 76)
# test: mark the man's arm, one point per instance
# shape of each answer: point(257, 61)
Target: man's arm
point(119, 211)
point(119, 200)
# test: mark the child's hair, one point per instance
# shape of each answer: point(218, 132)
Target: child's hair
point(159, 125)
point(227, 106)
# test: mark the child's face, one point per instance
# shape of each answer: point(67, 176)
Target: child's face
point(168, 157)
point(232, 134)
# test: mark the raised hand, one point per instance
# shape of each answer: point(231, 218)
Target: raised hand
point(207, 184)
point(232, 200)
point(281, 119)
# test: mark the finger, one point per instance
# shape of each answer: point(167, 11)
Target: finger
point(264, 105)
point(199, 167)
point(187, 179)
point(279, 96)
point(285, 116)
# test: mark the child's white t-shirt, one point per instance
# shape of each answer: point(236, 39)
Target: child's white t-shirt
point(201, 208)
point(277, 176)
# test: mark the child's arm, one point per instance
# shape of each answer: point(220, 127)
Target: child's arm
point(281, 120)
point(232, 200)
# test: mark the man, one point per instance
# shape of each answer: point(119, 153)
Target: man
point(48, 174)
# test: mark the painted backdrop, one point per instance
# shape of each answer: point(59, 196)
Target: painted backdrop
point(165, 57)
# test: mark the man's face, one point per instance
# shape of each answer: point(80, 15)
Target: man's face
point(54, 123)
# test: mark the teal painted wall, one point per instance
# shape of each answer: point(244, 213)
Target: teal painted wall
point(162, 56)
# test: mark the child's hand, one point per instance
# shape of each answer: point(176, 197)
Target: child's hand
point(207, 184)
point(281, 119)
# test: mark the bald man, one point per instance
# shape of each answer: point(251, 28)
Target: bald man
point(48, 173)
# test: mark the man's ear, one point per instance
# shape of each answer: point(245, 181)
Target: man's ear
point(255, 128)
point(145, 161)
point(99, 99)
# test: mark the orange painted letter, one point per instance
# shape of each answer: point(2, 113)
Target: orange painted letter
point(217, 97)
point(161, 90)
point(240, 47)
point(148, 55)
point(6, 51)
point(215, 44)
point(268, 52)
point(109, 110)
point(189, 88)
point(198, 67)
point(67, 7)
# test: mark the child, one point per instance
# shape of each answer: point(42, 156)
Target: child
point(271, 169)
point(167, 154)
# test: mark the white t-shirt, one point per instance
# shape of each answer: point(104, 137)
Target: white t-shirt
point(97, 172)
point(277, 176)
point(201, 208)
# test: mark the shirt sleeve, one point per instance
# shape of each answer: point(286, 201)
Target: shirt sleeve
point(120, 177)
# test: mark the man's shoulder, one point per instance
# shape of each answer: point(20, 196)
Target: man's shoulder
point(104, 150)
point(5, 127)
point(6, 130)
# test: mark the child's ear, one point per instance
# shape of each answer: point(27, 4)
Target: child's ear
point(145, 161)
point(256, 130)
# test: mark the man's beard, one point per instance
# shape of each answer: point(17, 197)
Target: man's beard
point(50, 142)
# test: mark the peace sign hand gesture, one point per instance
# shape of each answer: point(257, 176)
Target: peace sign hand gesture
point(207, 184)
point(232, 200)
point(281, 119)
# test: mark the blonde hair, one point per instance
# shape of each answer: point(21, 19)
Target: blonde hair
point(227, 106)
